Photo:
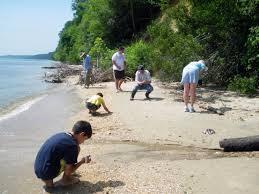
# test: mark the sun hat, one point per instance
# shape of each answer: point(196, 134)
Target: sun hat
point(202, 65)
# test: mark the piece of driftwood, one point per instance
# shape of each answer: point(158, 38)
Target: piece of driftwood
point(57, 80)
point(212, 109)
point(250, 143)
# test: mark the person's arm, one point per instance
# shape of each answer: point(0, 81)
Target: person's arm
point(70, 168)
point(105, 107)
point(114, 63)
point(137, 79)
point(82, 54)
point(147, 78)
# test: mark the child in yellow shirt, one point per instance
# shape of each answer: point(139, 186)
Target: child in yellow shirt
point(95, 102)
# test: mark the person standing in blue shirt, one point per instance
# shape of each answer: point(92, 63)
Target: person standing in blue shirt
point(59, 154)
point(190, 78)
point(87, 67)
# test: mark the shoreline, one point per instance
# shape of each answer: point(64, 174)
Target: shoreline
point(22, 135)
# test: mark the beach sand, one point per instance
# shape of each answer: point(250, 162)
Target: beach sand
point(155, 147)
point(147, 146)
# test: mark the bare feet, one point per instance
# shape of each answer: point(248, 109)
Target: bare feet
point(69, 181)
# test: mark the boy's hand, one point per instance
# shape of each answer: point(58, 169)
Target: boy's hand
point(87, 159)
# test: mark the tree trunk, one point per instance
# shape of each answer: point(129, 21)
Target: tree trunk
point(132, 16)
point(250, 143)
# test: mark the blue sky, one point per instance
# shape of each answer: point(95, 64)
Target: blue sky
point(32, 26)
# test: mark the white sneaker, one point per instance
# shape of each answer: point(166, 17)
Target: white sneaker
point(192, 109)
point(186, 109)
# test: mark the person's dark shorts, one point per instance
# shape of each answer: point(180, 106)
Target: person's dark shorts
point(119, 74)
point(91, 106)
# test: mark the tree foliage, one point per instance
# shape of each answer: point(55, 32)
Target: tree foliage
point(165, 35)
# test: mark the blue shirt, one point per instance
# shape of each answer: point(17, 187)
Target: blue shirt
point(87, 63)
point(58, 147)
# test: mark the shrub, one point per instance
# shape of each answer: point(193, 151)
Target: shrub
point(243, 85)
point(138, 53)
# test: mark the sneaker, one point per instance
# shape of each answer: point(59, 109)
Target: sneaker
point(192, 110)
point(186, 109)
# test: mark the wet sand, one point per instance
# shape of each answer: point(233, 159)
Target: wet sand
point(22, 135)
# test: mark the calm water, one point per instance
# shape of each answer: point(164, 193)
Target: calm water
point(21, 78)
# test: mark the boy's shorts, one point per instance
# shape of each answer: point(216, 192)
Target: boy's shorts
point(119, 74)
point(92, 107)
point(51, 174)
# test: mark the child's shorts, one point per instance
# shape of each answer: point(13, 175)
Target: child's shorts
point(92, 106)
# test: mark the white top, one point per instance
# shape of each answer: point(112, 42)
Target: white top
point(145, 76)
point(119, 60)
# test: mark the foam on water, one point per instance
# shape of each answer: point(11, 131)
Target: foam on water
point(21, 108)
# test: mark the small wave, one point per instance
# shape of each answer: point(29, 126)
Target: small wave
point(21, 108)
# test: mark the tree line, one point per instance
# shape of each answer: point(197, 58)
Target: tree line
point(165, 35)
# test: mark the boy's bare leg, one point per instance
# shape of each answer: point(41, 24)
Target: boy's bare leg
point(48, 183)
point(67, 180)
point(119, 84)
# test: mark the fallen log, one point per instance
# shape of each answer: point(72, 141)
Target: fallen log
point(242, 144)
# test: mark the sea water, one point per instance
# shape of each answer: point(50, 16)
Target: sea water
point(21, 80)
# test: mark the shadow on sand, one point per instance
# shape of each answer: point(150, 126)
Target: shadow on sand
point(97, 114)
point(150, 99)
point(85, 187)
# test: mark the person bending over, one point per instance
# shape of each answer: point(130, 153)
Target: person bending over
point(59, 154)
point(95, 102)
point(190, 78)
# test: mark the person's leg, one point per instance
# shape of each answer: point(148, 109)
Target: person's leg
point(121, 75)
point(186, 96)
point(119, 84)
point(116, 80)
point(193, 95)
point(87, 79)
point(91, 77)
point(48, 183)
point(149, 89)
point(134, 91)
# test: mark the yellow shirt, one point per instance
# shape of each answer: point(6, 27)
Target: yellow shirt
point(96, 99)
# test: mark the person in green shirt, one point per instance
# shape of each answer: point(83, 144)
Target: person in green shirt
point(95, 102)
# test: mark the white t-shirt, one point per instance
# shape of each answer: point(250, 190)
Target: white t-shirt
point(142, 76)
point(119, 60)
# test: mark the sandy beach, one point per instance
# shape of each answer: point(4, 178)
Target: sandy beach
point(143, 147)
point(155, 147)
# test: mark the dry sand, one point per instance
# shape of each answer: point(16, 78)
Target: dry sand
point(155, 147)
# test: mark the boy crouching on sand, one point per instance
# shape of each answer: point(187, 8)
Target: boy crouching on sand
point(95, 102)
point(59, 153)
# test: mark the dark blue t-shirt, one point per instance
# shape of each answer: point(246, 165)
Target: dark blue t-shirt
point(58, 147)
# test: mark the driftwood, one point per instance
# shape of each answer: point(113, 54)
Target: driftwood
point(61, 71)
point(98, 75)
point(250, 143)
point(54, 80)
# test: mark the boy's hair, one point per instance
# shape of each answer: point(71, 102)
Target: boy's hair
point(99, 94)
point(82, 126)
point(121, 48)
